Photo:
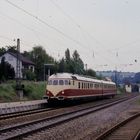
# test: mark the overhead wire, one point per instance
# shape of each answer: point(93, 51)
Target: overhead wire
point(79, 26)
point(45, 23)
point(54, 28)
point(36, 32)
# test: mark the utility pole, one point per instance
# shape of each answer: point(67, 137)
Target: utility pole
point(18, 72)
point(116, 74)
point(18, 82)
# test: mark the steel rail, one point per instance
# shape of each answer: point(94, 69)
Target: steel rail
point(23, 113)
point(48, 122)
point(109, 132)
point(28, 112)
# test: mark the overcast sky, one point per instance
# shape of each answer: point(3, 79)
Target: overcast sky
point(106, 33)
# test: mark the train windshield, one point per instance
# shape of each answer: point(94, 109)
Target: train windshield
point(61, 82)
point(50, 82)
point(58, 82)
point(66, 82)
point(55, 82)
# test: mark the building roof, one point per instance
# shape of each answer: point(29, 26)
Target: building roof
point(22, 58)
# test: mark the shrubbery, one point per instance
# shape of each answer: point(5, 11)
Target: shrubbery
point(32, 91)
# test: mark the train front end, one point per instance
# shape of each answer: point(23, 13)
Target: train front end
point(56, 87)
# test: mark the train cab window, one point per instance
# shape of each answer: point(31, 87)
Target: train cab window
point(50, 82)
point(55, 82)
point(66, 82)
point(61, 82)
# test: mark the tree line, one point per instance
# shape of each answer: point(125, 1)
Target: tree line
point(69, 63)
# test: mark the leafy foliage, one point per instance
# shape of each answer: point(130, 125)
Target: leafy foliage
point(6, 71)
point(70, 64)
point(137, 78)
point(39, 56)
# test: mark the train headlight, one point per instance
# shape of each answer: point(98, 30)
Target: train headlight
point(63, 92)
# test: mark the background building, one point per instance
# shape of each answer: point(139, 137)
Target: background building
point(25, 63)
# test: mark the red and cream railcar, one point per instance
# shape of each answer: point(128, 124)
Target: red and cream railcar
point(62, 86)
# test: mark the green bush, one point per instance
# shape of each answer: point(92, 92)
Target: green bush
point(32, 91)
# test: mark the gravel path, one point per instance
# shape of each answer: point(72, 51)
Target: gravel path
point(88, 127)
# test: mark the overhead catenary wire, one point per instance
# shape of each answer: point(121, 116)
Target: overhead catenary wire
point(76, 23)
point(80, 27)
point(79, 43)
point(45, 23)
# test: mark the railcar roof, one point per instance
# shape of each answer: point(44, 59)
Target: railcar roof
point(78, 77)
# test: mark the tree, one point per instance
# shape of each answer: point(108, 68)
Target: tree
point(67, 56)
point(30, 75)
point(137, 77)
point(91, 72)
point(2, 51)
point(12, 49)
point(61, 65)
point(39, 56)
point(6, 70)
point(78, 63)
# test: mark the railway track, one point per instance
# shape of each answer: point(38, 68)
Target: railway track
point(29, 112)
point(24, 129)
point(9, 119)
point(128, 129)
point(23, 113)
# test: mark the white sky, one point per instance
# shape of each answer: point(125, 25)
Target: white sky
point(97, 29)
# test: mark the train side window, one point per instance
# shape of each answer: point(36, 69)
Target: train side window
point(73, 82)
point(61, 82)
point(96, 85)
point(79, 85)
point(67, 82)
point(82, 85)
point(91, 85)
point(55, 82)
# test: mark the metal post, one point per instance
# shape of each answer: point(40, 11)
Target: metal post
point(48, 72)
point(18, 73)
point(44, 73)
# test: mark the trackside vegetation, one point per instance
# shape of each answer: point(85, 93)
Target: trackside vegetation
point(32, 91)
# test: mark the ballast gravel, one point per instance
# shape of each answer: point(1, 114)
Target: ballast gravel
point(90, 126)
